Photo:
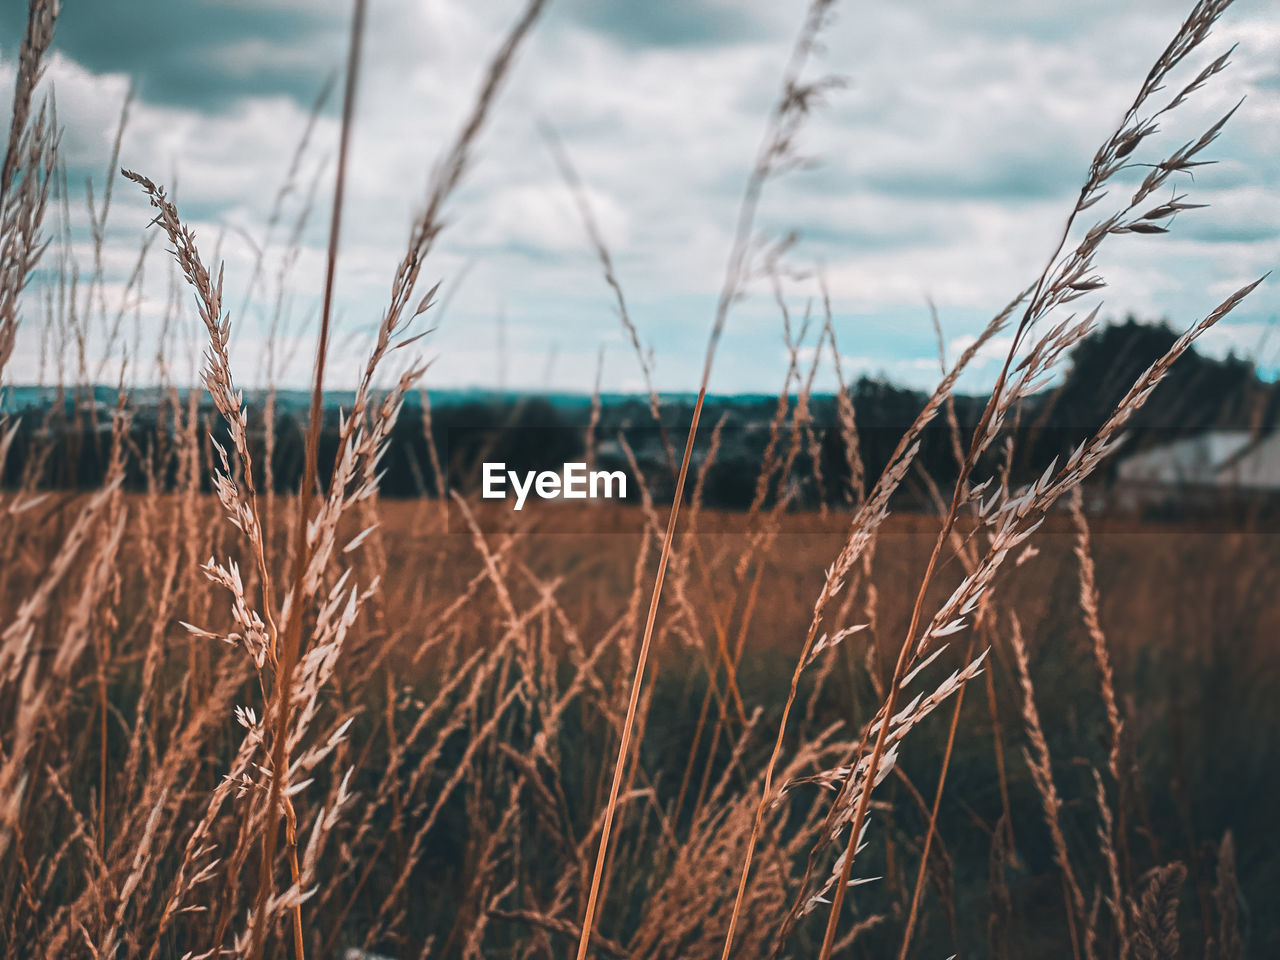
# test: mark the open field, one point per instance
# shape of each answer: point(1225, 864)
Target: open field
point(448, 679)
point(918, 697)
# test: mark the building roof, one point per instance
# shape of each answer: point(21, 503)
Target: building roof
point(1221, 458)
point(1257, 467)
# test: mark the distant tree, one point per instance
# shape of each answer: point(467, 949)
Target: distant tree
point(1200, 393)
point(61, 448)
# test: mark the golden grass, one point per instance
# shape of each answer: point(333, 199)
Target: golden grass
point(478, 729)
point(443, 641)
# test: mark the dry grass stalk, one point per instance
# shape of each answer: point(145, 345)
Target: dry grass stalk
point(775, 154)
point(118, 750)
point(26, 175)
point(844, 407)
point(1155, 918)
point(1228, 944)
point(1089, 607)
point(292, 626)
point(601, 249)
point(624, 746)
point(1041, 767)
point(1064, 279)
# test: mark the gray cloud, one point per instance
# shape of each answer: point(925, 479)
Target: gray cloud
point(1007, 176)
point(946, 167)
point(669, 23)
point(1208, 231)
point(201, 54)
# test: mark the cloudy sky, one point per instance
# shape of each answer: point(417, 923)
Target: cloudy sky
point(944, 168)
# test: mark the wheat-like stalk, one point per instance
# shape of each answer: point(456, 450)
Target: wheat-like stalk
point(464, 733)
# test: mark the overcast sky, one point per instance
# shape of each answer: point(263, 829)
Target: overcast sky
point(946, 167)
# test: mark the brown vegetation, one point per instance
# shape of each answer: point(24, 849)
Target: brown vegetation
point(300, 724)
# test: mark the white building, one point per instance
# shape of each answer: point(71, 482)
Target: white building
point(1209, 466)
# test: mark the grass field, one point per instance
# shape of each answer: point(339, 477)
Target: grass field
point(306, 720)
point(450, 679)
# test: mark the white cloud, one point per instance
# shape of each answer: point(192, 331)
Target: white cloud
point(947, 169)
